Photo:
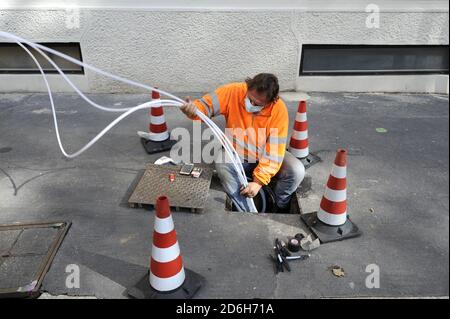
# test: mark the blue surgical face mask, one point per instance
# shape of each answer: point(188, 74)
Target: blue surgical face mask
point(250, 107)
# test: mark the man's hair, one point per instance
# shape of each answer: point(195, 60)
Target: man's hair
point(265, 83)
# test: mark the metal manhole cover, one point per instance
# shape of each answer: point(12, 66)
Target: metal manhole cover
point(183, 192)
point(26, 253)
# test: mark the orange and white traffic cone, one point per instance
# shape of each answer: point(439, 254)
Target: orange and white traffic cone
point(299, 143)
point(331, 222)
point(157, 139)
point(333, 206)
point(167, 278)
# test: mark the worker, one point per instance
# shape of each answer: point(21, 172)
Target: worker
point(253, 107)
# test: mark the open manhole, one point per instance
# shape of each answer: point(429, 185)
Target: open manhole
point(264, 201)
point(264, 204)
point(26, 253)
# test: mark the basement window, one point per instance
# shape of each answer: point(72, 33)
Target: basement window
point(373, 59)
point(14, 60)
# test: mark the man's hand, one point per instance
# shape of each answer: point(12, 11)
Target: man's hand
point(251, 190)
point(189, 108)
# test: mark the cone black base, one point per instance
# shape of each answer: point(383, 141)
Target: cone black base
point(152, 147)
point(143, 290)
point(310, 160)
point(327, 233)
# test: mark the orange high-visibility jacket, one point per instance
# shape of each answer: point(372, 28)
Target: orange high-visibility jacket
point(265, 133)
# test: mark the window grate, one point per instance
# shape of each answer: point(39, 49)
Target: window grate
point(14, 60)
point(373, 59)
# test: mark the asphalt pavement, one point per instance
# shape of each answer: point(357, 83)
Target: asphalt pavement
point(398, 195)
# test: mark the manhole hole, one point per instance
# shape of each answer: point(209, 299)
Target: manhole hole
point(264, 201)
point(26, 253)
point(265, 205)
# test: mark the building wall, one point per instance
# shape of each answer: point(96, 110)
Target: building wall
point(197, 49)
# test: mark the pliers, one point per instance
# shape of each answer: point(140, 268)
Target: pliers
point(282, 255)
point(279, 259)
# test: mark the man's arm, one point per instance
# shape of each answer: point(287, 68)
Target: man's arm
point(211, 104)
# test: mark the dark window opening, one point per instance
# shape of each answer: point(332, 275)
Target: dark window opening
point(373, 59)
point(14, 60)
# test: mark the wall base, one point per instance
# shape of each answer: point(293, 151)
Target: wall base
point(429, 83)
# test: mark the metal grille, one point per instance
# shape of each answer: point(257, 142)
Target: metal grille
point(14, 60)
point(373, 59)
point(183, 192)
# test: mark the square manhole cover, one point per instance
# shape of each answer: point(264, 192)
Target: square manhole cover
point(184, 192)
point(26, 253)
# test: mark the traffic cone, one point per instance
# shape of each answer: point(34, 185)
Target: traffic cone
point(299, 144)
point(158, 138)
point(331, 222)
point(167, 278)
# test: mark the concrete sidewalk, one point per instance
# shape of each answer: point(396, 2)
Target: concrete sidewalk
point(398, 189)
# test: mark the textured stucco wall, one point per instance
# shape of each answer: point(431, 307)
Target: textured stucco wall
point(196, 51)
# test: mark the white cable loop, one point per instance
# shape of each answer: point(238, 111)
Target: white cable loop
point(231, 152)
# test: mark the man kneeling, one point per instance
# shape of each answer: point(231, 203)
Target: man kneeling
point(258, 121)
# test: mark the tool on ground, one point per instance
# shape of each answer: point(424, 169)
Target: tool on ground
point(279, 259)
point(294, 245)
point(164, 160)
point(196, 172)
point(167, 278)
point(301, 257)
point(281, 262)
point(283, 248)
point(186, 169)
point(331, 222)
point(282, 255)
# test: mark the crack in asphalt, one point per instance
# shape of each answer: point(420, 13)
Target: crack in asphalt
point(51, 171)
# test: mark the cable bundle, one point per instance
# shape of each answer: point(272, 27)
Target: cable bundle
point(176, 101)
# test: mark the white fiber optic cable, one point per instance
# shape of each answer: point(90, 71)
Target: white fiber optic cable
point(222, 138)
point(231, 152)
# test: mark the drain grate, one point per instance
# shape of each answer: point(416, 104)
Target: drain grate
point(185, 192)
point(26, 253)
